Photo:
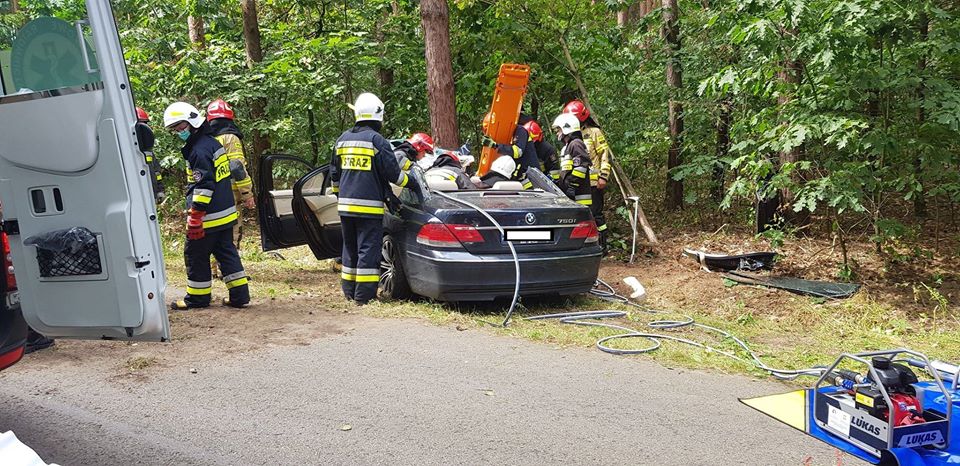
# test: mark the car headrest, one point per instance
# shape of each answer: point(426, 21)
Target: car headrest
point(508, 186)
point(440, 184)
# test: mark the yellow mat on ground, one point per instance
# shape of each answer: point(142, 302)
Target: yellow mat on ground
point(789, 408)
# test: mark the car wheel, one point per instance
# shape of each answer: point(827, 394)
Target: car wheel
point(393, 279)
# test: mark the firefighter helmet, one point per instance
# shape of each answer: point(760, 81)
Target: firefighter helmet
point(368, 107)
point(504, 165)
point(422, 142)
point(533, 128)
point(567, 123)
point(182, 111)
point(142, 115)
point(577, 108)
point(219, 109)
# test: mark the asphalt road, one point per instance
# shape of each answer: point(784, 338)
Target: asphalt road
point(411, 393)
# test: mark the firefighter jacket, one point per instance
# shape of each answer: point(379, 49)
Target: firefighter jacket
point(146, 141)
point(208, 170)
point(600, 153)
point(230, 137)
point(405, 154)
point(447, 167)
point(361, 170)
point(521, 150)
point(549, 161)
point(575, 170)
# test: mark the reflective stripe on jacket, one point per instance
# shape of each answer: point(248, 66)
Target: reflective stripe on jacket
point(361, 170)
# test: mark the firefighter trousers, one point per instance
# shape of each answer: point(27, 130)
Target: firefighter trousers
point(362, 246)
point(197, 254)
point(237, 239)
point(597, 209)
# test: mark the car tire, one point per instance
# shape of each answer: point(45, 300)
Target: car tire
point(393, 279)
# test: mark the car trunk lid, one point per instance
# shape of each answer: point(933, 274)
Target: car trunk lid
point(535, 221)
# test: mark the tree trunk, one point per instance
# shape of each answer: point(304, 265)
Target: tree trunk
point(790, 75)
point(314, 143)
point(251, 41)
point(724, 120)
point(195, 28)
point(671, 34)
point(441, 94)
point(384, 71)
point(14, 6)
point(919, 200)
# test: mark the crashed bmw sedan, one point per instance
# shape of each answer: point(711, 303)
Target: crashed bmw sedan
point(439, 241)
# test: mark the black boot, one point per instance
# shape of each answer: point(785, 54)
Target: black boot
point(36, 342)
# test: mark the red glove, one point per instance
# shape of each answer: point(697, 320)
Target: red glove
point(195, 224)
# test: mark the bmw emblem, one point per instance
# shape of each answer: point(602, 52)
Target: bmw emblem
point(530, 218)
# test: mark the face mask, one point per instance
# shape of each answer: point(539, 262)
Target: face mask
point(185, 134)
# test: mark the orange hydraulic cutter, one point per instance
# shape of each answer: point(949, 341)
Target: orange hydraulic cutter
point(501, 122)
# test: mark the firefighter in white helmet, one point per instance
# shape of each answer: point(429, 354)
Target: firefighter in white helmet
point(574, 159)
point(361, 170)
point(500, 170)
point(211, 211)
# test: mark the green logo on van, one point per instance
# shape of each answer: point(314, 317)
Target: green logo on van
point(47, 55)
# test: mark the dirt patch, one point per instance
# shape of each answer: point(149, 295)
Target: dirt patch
point(203, 335)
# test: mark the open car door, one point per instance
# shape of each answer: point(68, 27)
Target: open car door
point(77, 199)
point(315, 207)
point(277, 176)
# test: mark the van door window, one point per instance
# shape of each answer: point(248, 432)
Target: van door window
point(45, 47)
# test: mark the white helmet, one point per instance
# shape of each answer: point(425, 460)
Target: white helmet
point(567, 122)
point(368, 107)
point(504, 165)
point(182, 111)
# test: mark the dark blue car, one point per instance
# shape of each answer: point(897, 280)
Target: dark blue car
point(434, 244)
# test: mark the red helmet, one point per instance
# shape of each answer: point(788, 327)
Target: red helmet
point(533, 128)
point(142, 115)
point(577, 108)
point(219, 109)
point(422, 142)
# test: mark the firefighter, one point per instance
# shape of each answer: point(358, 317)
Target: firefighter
point(574, 159)
point(361, 170)
point(520, 148)
point(445, 164)
point(146, 140)
point(600, 155)
point(226, 132)
point(546, 153)
point(211, 212)
point(500, 170)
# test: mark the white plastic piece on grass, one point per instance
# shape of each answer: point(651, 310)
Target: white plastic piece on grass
point(639, 292)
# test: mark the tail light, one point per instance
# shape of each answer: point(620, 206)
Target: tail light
point(439, 235)
point(10, 358)
point(8, 263)
point(586, 230)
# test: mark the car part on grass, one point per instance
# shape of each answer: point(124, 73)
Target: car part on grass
point(752, 261)
point(820, 289)
point(883, 415)
point(604, 291)
point(639, 292)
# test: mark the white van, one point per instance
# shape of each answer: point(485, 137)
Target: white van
point(77, 199)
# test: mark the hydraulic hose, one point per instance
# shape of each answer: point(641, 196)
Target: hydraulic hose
point(604, 291)
point(513, 251)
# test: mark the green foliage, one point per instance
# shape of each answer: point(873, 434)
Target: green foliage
point(873, 111)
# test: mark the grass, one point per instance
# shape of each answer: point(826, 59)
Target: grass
point(800, 333)
point(139, 363)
